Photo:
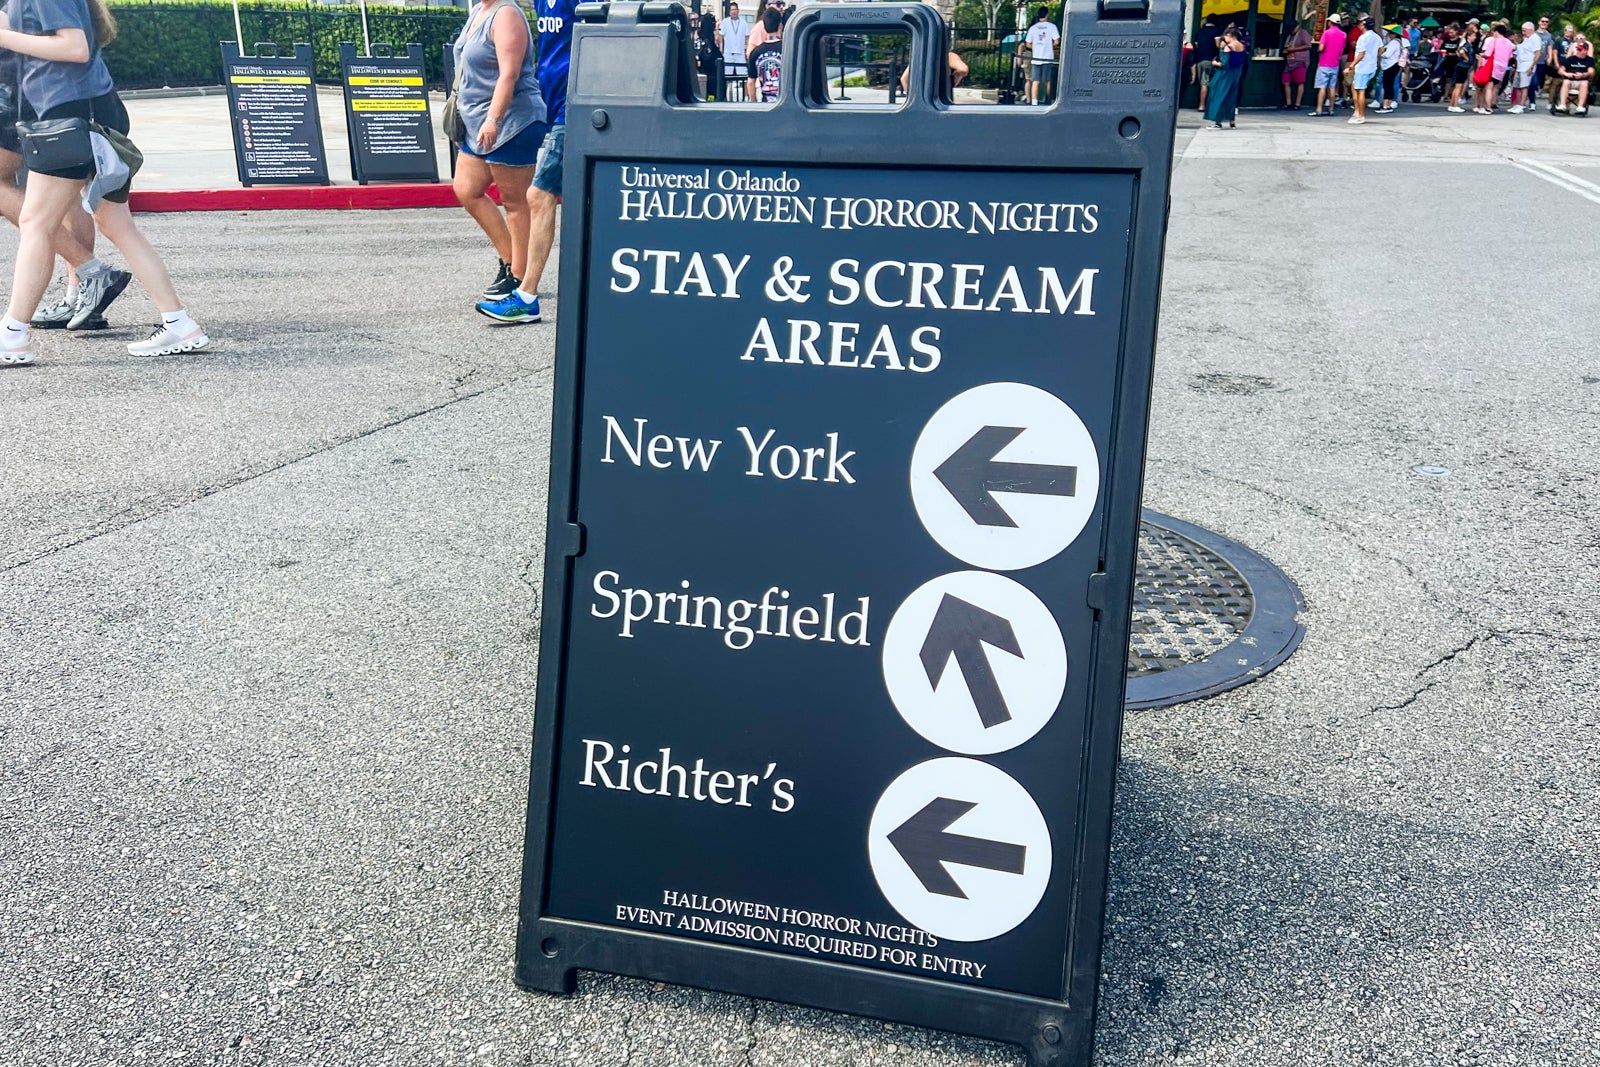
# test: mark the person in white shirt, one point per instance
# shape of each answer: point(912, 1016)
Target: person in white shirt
point(1042, 37)
point(1368, 45)
point(1528, 51)
point(1392, 62)
point(732, 33)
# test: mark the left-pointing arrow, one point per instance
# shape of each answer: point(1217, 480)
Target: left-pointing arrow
point(926, 845)
point(959, 631)
point(972, 475)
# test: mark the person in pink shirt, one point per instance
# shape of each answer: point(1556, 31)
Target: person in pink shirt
point(1328, 61)
point(1497, 53)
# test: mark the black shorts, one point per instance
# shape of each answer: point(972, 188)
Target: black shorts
point(106, 110)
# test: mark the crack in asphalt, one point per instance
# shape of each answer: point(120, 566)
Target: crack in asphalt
point(535, 590)
point(213, 489)
point(1437, 664)
point(747, 1057)
point(627, 1036)
point(1450, 657)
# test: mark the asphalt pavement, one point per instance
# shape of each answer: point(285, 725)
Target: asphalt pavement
point(269, 615)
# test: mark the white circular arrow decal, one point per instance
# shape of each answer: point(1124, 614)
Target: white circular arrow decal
point(1004, 476)
point(974, 662)
point(959, 849)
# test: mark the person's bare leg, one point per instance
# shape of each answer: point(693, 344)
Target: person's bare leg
point(116, 222)
point(75, 241)
point(44, 206)
point(513, 183)
point(472, 190)
point(79, 237)
point(541, 235)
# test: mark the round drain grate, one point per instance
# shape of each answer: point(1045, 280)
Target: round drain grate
point(1208, 614)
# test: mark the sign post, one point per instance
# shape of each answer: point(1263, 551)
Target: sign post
point(849, 437)
point(272, 107)
point(387, 114)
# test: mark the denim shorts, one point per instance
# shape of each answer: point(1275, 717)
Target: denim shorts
point(521, 151)
point(548, 176)
point(1327, 77)
point(1361, 81)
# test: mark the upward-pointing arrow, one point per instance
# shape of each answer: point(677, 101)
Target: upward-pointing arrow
point(926, 845)
point(972, 475)
point(959, 631)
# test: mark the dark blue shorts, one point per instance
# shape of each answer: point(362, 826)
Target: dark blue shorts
point(521, 151)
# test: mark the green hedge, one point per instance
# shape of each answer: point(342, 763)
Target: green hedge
point(177, 42)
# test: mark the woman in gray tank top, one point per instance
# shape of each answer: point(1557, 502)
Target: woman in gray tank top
point(498, 97)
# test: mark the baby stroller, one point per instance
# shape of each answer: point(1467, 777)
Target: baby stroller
point(1423, 78)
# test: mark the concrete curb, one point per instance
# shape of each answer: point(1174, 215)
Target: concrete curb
point(299, 198)
point(168, 92)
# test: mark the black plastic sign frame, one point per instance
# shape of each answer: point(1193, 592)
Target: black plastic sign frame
point(849, 433)
point(387, 115)
point(272, 107)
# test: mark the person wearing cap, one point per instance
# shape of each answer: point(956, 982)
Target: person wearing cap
point(1364, 70)
point(1328, 60)
point(1392, 59)
point(1527, 53)
point(1577, 70)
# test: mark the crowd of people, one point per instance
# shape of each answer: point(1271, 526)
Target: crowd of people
point(62, 121)
point(742, 60)
point(1358, 65)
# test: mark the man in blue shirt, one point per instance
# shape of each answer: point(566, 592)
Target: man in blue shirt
point(554, 23)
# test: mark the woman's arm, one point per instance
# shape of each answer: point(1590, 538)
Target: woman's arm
point(68, 45)
point(510, 46)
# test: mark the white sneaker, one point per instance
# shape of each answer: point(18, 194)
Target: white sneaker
point(15, 348)
point(1580, 111)
point(1519, 109)
point(1480, 111)
point(1560, 107)
point(1455, 110)
point(1357, 122)
point(166, 341)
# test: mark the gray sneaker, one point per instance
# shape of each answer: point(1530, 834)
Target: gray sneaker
point(96, 293)
point(54, 316)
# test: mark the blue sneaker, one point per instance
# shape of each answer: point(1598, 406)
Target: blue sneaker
point(511, 308)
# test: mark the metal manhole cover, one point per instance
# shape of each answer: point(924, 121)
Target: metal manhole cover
point(1208, 614)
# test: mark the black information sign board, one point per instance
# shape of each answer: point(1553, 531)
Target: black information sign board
point(272, 103)
point(386, 110)
point(850, 417)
